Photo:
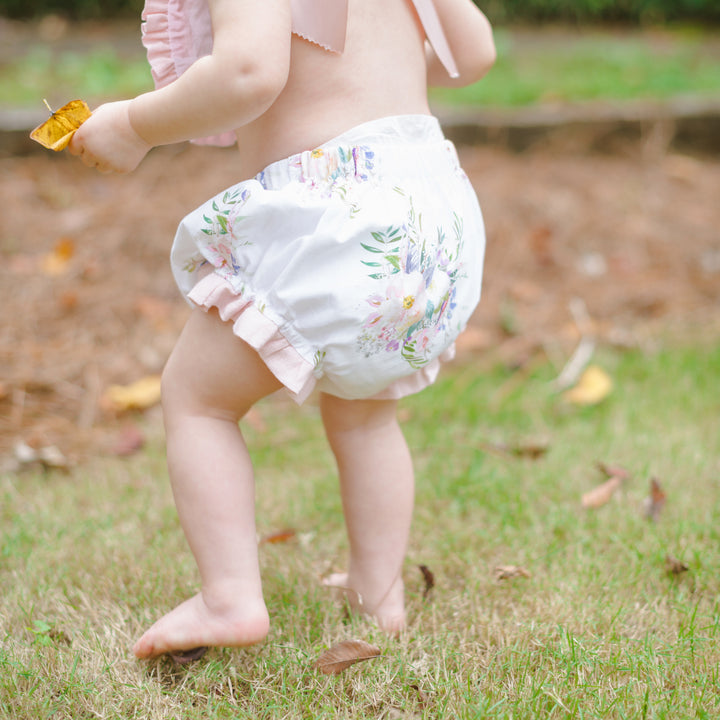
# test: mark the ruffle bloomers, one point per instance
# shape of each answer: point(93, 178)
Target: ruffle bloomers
point(351, 267)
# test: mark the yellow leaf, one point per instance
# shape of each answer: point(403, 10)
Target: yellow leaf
point(57, 131)
point(593, 387)
point(137, 396)
point(56, 262)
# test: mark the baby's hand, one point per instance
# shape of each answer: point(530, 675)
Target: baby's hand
point(107, 140)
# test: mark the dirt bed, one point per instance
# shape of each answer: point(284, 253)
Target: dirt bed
point(630, 242)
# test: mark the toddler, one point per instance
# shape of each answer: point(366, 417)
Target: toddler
point(347, 260)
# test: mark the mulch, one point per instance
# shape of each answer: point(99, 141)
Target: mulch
point(630, 238)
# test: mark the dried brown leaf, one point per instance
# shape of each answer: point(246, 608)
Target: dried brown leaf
point(185, 657)
point(429, 579)
point(422, 696)
point(346, 653)
point(509, 572)
point(601, 495)
point(612, 471)
point(675, 566)
point(530, 450)
point(280, 536)
point(655, 501)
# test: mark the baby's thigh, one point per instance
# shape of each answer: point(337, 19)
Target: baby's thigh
point(212, 371)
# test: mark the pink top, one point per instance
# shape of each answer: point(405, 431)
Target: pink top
point(178, 32)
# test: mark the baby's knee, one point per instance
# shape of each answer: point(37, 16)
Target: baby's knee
point(173, 386)
point(341, 416)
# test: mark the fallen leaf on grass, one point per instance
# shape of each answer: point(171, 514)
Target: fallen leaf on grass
point(655, 501)
point(346, 653)
point(429, 578)
point(49, 457)
point(675, 566)
point(57, 131)
point(56, 263)
point(139, 395)
point(593, 387)
point(599, 496)
point(279, 536)
point(612, 471)
point(422, 696)
point(185, 657)
point(509, 572)
point(530, 450)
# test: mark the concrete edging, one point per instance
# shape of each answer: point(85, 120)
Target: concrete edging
point(687, 123)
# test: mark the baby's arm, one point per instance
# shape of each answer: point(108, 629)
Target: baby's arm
point(470, 38)
point(234, 85)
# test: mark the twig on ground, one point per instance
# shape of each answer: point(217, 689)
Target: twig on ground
point(583, 352)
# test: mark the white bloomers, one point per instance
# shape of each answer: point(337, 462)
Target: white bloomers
point(351, 267)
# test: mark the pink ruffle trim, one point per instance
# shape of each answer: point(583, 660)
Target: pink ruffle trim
point(250, 325)
point(419, 380)
point(288, 366)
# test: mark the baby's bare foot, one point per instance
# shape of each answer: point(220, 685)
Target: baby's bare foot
point(386, 608)
point(197, 623)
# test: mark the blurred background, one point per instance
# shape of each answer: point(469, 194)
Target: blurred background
point(634, 11)
point(549, 51)
point(593, 145)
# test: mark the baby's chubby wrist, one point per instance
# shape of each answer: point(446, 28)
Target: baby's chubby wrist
point(108, 141)
point(132, 124)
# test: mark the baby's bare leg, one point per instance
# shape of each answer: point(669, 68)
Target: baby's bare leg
point(377, 486)
point(211, 380)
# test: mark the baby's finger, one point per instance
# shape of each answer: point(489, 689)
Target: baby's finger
point(75, 147)
point(88, 159)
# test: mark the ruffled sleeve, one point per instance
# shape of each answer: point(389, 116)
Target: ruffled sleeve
point(175, 34)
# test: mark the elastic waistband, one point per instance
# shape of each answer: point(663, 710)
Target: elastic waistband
point(365, 151)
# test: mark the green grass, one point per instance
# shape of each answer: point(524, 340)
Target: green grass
point(600, 629)
point(566, 66)
point(98, 75)
point(599, 65)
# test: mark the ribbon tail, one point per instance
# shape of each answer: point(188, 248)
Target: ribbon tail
point(436, 35)
point(323, 22)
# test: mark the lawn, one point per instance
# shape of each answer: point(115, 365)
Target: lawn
point(566, 65)
point(590, 65)
point(600, 628)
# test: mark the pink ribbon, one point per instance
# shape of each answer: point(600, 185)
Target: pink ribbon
point(324, 22)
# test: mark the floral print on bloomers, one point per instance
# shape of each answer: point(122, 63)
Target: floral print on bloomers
point(355, 264)
point(417, 286)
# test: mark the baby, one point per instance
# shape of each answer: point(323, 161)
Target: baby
point(347, 260)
